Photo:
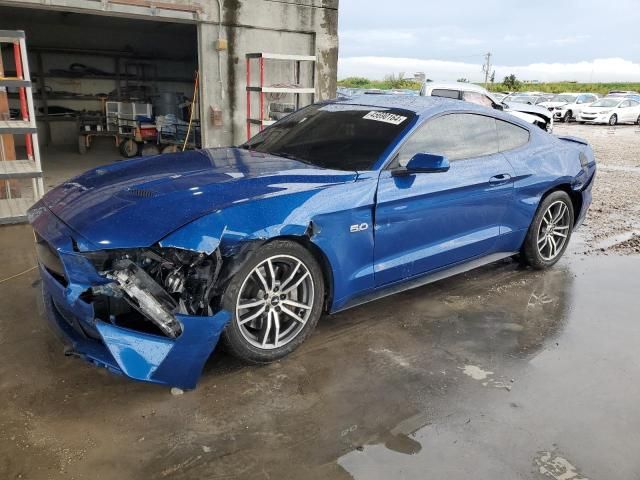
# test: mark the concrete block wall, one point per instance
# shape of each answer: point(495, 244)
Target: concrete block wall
point(307, 27)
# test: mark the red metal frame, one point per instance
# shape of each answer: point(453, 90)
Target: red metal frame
point(23, 98)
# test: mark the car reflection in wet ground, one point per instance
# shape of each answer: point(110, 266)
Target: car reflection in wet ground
point(498, 373)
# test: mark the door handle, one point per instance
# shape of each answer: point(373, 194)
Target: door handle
point(500, 179)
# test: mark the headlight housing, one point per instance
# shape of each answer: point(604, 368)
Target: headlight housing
point(157, 282)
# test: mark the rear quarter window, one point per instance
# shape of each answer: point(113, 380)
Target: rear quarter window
point(441, 92)
point(511, 136)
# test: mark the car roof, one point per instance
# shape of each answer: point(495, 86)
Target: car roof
point(416, 104)
point(469, 87)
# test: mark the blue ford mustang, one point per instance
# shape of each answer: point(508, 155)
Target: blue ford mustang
point(148, 263)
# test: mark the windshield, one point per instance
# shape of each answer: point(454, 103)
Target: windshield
point(564, 98)
point(607, 102)
point(336, 136)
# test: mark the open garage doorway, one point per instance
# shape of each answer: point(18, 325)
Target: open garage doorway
point(106, 87)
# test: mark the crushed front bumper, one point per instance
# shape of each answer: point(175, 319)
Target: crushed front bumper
point(138, 355)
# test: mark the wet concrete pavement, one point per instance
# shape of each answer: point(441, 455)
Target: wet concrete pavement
point(502, 373)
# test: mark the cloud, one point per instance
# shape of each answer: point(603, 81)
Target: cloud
point(367, 37)
point(569, 40)
point(597, 70)
point(465, 41)
point(534, 41)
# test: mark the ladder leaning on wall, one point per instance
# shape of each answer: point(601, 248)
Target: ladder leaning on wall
point(14, 209)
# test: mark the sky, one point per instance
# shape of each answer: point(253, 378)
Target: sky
point(587, 40)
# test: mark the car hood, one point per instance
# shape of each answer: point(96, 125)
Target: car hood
point(597, 109)
point(552, 104)
point(138, 202)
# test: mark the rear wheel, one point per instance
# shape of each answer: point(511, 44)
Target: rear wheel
point(170, 149)
point(149, 149)
point(276, 300)
point(613, 120)
point(549, 232)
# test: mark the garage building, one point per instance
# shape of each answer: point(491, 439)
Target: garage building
point(92, 61)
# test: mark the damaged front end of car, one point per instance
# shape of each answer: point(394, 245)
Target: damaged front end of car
point(152, 285)
point(147, 313)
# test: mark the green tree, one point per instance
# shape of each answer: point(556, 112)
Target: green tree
point(511, 82)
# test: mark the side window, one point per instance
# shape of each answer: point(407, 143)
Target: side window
point(511, 136)
point(457, 135)
point(441, 92)
point(625, 104)
point(477, 98)
point(633, 103)
point(581, 99)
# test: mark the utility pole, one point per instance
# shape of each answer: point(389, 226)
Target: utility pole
point(486, 68)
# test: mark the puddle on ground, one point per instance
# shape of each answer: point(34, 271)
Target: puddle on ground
point(552, 465)
point(392, 389)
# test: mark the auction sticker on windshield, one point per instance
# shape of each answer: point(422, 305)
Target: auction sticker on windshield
point(385, 117)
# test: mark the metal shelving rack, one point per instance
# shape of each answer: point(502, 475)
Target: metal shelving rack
point(14, 210)
point(261, 89)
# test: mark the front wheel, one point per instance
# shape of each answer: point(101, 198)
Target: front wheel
point(567, 116)
point(638, 120)
point(549, 232)
point(613, 120)
point(128, 148)
point(276, 299)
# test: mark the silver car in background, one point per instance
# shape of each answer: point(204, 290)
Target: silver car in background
point(470, 92)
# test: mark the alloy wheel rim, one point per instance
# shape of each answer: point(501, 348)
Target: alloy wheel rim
point(553, 231)
point(275, 302)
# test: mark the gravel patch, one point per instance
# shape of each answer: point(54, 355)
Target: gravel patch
point(613, 221)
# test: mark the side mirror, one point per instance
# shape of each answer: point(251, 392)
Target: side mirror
point(423, 163)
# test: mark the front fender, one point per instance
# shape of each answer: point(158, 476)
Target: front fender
point(324, 216)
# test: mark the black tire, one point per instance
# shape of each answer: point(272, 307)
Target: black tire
point(567, 116)
point(530, 253)
point(170, 149)
point(149, 149)
point(129, 148)
point(82, 144)
point(638, 120)
point(613, 120)
point(234, 340)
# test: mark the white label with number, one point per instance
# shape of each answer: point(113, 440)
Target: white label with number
point(385, 117)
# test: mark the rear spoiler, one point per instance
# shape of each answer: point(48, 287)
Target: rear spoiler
point(570, 138)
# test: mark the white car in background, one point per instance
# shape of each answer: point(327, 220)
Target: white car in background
point(470, 92)
point(568, 106)
point(612, 110)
